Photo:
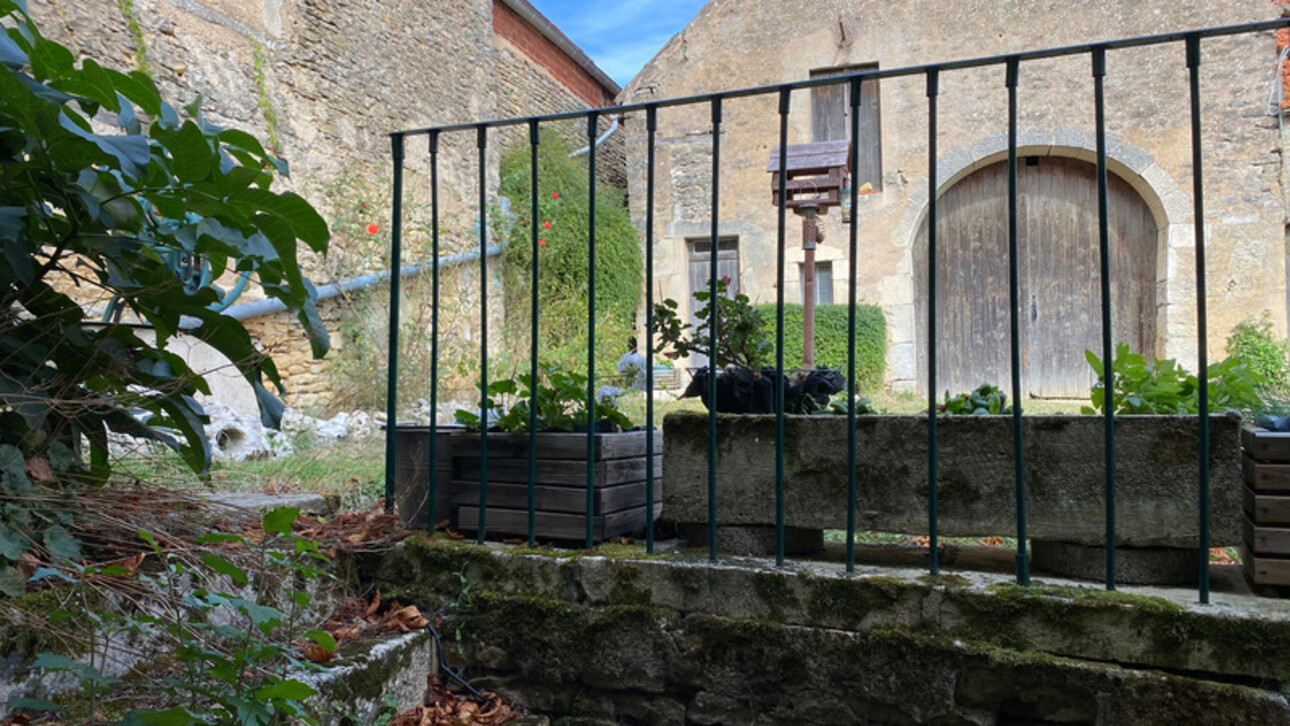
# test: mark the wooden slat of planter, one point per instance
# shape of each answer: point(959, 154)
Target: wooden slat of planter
point(1265, 509)
point(568, 472)
point(558, 445)
point(1267, 540)
point(1265, 477)
point(556, 525)
point(1261, 570)
point(555, 499)
point(1264, 445)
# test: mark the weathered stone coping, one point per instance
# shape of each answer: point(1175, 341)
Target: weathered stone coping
point(1238, 636)
point(613, 634)
point(1156, 475)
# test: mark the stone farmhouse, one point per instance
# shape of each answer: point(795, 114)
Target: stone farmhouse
point(741, 43)
point(325, 82)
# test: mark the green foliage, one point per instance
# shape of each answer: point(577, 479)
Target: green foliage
point(232, 645)
point(741, 338)
point(987, 399)
point(259, 73)
point(1254, 343)
point(838, 406)
point(831, 339)
point(131, 16)
point(1165, 387)
point(106, 211)
point(563, 204)
point(561, 404)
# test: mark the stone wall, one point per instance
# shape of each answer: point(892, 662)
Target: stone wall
point(1147, 124)
point(617, 637)
point(337, 77)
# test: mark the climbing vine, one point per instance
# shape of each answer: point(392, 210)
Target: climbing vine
point(259, 74)
point(136, 34)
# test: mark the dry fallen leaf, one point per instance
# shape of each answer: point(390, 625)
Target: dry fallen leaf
point(38, 468)
point(317, 653)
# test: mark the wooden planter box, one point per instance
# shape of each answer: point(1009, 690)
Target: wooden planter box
point(1266, 469)
point(619, 505)
point(411, 482)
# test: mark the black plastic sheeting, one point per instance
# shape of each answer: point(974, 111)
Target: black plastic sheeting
point(743, 390)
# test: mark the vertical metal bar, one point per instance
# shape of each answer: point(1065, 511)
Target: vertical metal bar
point(1202, 323)
point(432, 492)
point(592, 120)
point(784, 99)
point(392, 370)
point(651, 128)
point(482, 142)
point(712, 333)
point(852, 283)
point(1014, 302)
point(933, 90)
point(1104, 249)
point(533, 328)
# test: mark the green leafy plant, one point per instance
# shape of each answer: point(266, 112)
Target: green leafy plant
point(228, 627)
point(741, 335)
point(109, 211)
point(987, 399)
point(831, 339)
point(561, 404)
point(838, 406)
point(1254, 342)
point(1165, 387)
point(563, 211)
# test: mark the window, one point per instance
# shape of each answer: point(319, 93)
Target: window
point(823, 282)
point(831, 120)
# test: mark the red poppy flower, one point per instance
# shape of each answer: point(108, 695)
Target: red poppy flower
point(555, 195)
point(547, 225)
point(373, 228)
point(725, 280)
point(542, 242)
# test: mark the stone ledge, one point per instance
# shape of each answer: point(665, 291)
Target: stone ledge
point(573, 633)
point(370, 677)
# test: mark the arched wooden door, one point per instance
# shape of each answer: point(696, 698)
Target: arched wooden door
point(1059, 277)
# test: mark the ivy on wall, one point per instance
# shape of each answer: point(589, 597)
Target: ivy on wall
point(131, 17)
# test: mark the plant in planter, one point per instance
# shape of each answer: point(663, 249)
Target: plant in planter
point(987, 399)
point(561, 452)
point(1164, 386)
point(745, 382)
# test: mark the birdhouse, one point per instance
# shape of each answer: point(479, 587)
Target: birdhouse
point(815, 174)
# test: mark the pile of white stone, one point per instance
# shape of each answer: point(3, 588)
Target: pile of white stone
point(237, 437)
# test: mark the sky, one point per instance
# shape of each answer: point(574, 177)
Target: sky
point(619, 35)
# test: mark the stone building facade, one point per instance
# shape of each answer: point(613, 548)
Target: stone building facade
point(741, 43)
point(325, 82)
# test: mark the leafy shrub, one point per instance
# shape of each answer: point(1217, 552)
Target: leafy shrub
point(561, 404)
point(562, 265)
point(1254, 343)
point(741, 335)
point(107, 210)
point(1164, 387)
point(220, 622)
point(987, 399)
point(831, 339)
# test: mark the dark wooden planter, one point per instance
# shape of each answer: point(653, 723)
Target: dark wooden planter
point(411, 483)
point(1266, 467)
point(618, 501)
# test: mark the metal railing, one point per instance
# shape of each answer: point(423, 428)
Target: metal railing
point(1011, 65)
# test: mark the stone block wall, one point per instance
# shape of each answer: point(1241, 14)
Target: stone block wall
point(337, 77)
point(741, 43)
